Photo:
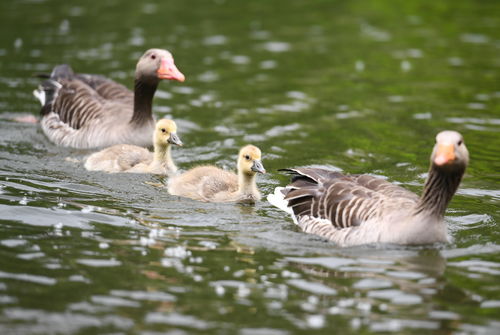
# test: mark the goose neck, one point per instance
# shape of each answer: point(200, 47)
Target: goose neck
point(143, 100)
point(439, 188)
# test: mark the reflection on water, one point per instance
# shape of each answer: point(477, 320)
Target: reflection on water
point(358, 86)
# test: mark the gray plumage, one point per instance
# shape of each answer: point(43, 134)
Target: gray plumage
point(88, 111)
point(360, 209)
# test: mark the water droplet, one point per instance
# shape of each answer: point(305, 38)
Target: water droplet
point(474, 38)
point(220, 290)
point(64, 27)
point(315, 321)
point(88, 209)
point(359, 65)
point(215, 40)
point(455, 61)
point(268, 64)
point(18, 43)
point(405, 66)
point(275, 46)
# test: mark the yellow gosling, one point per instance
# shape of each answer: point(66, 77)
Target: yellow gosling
point(211, 184)
point(134, 159)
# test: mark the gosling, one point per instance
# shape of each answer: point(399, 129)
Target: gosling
point(134, 159)
point(211, 184)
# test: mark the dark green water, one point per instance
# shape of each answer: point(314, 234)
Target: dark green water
point(363, 86)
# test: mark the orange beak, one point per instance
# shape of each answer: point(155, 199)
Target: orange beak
point(168, 70)
point(445, 154)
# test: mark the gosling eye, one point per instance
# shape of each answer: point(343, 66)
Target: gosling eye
point(247, 157)
point(460, 142)
point(163, 130)
point(153, 56)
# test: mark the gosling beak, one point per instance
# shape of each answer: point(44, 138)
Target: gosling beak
point(168, 70)
point(258, 167)
point(445, 154)
point(174, 139)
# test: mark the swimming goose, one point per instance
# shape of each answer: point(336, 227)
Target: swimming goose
point(361, 209)
point(131, 158)
point(87, 111)
point(211, 184)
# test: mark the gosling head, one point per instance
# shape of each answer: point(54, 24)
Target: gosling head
point(157, 64)
point(450, 152)
point(249, 160)
point(166, 133)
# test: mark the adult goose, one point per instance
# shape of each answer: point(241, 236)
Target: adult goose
point(361, 209)
point(211, 184)
point(89, 111)
point(135, 159)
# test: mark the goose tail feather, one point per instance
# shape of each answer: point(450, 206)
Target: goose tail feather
point(277, 199)
point(46, 93)
point(39, 93)
point(48, 90)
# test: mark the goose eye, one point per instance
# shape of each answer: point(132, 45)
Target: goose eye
point(153, 56)
point(247, 157)
point(163, 130)
point(460, 142)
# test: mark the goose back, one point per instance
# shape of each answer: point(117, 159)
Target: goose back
point(106, 88)
point(344, 200)
point(90, 113)
point(361, 209)
point(355, 209)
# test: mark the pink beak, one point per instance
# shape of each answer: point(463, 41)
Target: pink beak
point(168, 70)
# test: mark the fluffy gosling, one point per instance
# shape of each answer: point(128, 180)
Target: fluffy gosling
point(134, 159)
point(211, 184)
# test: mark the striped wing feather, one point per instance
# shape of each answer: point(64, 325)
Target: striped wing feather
point(79, 98)
point(106, 88)
point(345, 201)
point(77, 103)
point(384, 187)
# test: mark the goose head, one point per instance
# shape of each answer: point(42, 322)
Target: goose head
point(249, 160)
point(157, 64)
point(450, 152)
point(166, 133)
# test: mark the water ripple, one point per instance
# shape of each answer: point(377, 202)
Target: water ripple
point(29, 278)
point(176, 319)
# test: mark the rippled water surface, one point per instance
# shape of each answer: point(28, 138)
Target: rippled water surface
point(361, 86)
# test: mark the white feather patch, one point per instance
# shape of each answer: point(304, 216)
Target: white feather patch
point(277, 199)
point(40, 95)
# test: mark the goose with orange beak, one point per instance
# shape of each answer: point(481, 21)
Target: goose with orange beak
point(362, 209)
point(446, 142)
point(89, 111)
